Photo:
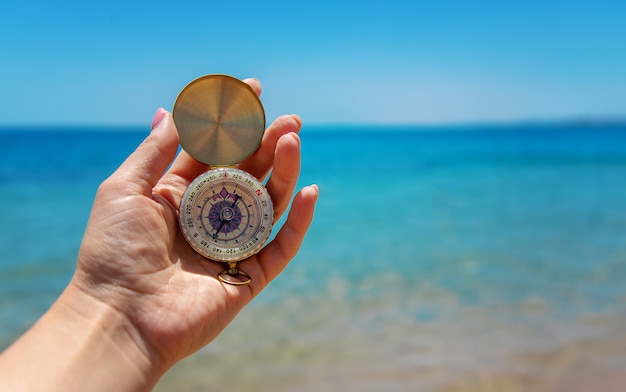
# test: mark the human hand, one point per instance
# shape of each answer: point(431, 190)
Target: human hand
point(134, 260)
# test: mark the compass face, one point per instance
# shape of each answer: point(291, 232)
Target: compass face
point(226, 214)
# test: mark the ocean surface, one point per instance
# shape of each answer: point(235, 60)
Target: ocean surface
point(470, 258)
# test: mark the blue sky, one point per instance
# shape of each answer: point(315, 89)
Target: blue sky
point(388, 61)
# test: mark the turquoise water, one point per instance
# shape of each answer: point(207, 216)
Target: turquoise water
point(468, 258)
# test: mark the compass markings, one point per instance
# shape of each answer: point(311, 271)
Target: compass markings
point(229, 211)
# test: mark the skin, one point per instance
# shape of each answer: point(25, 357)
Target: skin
point(141, 299)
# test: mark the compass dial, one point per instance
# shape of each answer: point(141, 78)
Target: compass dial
point(226, 214)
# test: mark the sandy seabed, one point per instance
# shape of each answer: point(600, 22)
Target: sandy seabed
point(471, 349)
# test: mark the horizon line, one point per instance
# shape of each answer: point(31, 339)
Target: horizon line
point(579, 121)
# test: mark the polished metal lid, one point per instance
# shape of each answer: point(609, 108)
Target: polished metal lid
point(220, 120)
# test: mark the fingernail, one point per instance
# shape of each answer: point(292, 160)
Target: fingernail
point(294, 135)
point(158, 117)
point(316, 189)
point(255, 84)
point(298, 120)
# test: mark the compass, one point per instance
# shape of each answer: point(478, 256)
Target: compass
point(226, 214)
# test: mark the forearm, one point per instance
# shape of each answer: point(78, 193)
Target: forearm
point(79, 344)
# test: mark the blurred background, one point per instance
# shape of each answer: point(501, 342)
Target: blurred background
point(471, 157)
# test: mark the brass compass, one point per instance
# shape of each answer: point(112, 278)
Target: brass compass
point(226, 214)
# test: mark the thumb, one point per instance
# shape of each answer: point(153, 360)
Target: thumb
point(144, 167)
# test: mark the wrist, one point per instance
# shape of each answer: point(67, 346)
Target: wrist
point(81, 343)
point(112, 332)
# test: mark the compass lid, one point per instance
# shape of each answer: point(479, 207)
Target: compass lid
point(220, 119)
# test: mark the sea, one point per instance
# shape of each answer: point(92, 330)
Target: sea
point(441, 258)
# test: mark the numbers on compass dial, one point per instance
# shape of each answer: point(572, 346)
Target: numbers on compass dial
point(226, 214)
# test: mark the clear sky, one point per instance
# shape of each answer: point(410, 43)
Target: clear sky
point(388, 61)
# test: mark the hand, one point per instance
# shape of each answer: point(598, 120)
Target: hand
point(134, 258)
point(135, 266)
